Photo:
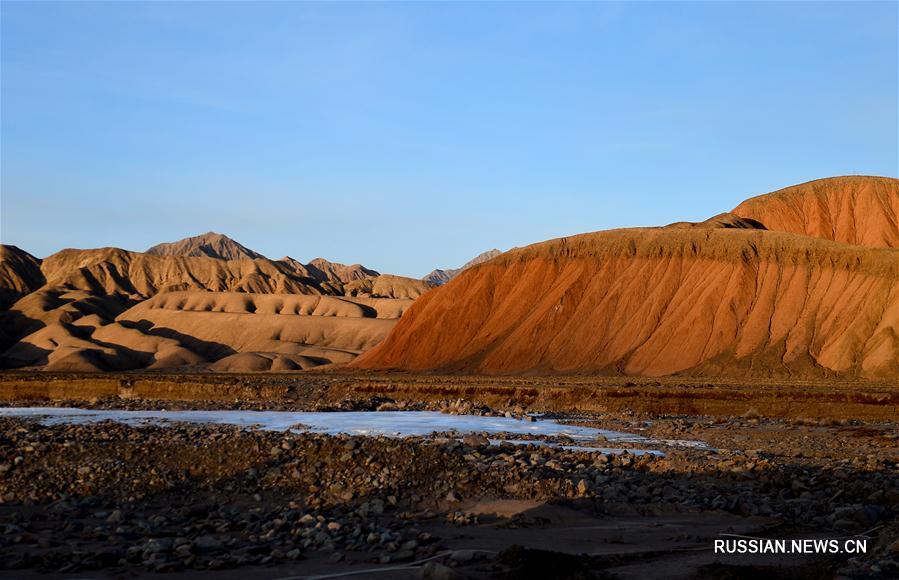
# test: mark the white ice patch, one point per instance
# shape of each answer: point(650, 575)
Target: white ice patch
point(391, 424)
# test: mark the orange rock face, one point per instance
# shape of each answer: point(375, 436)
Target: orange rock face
point(715, 299)
point(853, 210)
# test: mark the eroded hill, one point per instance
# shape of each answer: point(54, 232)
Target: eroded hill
point(110, 309)
point(727, 296)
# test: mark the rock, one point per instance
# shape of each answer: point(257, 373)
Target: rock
point(463, 556)
point(207, 543)
point(894, 548)
point(377, 506)
point(435, 571)
point(158, 545)
point(474, 440)
point(582, 488)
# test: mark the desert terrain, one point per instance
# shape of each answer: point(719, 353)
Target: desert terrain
point(604, 405)
point(203, 303)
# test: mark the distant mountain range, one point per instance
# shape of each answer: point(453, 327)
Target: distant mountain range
point(204, 302)
point(439, 277)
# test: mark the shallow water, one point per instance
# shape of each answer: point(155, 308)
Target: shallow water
point(391, 424)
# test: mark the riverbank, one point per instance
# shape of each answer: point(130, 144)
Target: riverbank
point(195, 500)
point(776, 398)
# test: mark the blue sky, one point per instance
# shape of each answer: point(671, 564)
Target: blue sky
point(414, 136)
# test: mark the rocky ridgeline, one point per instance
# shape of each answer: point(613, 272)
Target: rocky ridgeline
point(210, 497)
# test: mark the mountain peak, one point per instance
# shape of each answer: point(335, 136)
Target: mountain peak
point(210, 244)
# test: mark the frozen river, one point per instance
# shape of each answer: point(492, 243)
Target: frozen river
point(391, 424)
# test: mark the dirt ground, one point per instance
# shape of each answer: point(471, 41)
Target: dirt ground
point(786, 460)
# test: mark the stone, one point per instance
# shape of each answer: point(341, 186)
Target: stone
point(436, 571)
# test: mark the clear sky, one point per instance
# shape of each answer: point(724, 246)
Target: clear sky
point(414, 136)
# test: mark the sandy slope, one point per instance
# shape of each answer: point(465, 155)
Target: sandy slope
point(718, 298)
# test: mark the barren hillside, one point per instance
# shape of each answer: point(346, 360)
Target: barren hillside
point(110, 309)
point(722, 297)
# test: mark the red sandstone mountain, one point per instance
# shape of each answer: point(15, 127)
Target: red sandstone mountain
point(723, 297)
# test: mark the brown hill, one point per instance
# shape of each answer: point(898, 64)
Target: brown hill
point(210, 245)
point(853, 210)
point(223, 331)
point(76, 319)
point(20, 273)
point(115, 271)
point(214, 245)
point(709, 299)
point(387, 286)
point(326, 271)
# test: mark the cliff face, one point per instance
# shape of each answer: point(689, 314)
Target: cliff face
point(723, 297)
